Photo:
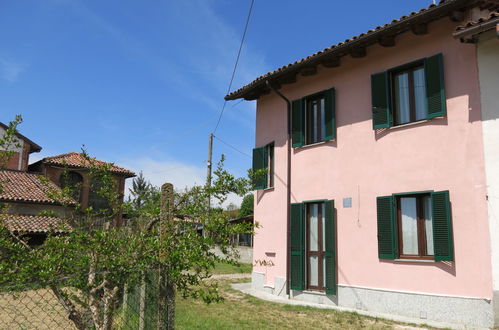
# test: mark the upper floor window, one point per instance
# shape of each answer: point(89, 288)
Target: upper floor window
point(315, 127)
point(263, 167)
point(409, 93)
point(313, 118)
point(73, 181)
point(97, 198)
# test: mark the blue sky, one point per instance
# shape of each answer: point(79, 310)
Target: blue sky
point(141, 83)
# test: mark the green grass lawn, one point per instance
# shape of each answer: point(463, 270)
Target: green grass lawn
point(241, 311)
point(224, 268)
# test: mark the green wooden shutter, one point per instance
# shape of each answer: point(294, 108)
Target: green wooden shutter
point(435, 92)
point(297, 122)
point(260, 161)
point(330, 252)
point(380, 95)
point(442, 226)
point(297, 242)
point(329, 114)
point(387, 229)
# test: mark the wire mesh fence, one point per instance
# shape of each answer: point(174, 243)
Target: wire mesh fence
point(36, 306)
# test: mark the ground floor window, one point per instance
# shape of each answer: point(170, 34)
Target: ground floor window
point(415, 226)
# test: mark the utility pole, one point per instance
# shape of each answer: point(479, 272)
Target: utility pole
point(208, 174)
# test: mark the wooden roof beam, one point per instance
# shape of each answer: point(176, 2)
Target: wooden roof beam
point(358, 52)
point(419, 29)
point(387, 41)
point(331, 62)
point(308, 70)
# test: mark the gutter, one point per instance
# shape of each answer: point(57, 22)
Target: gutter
point(288, 186)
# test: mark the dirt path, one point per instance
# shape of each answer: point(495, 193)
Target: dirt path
point(231, 276)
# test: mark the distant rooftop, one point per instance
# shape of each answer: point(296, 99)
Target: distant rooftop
point(77, 160)
point(19, 186)
point(34, 147)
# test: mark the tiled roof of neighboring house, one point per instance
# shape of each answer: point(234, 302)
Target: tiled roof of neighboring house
point(34, 147)
point(493, 17)
point(35, 223)
point(20, 186)
point(287, 73)
point(77, 160)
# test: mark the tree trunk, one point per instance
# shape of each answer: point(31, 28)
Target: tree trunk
point(74, 314)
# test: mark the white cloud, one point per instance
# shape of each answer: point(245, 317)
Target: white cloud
point(181, 175)
point(11, 70)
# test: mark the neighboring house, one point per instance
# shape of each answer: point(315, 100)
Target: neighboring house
point(21, 150)
point(386, 147)
point(243, 239)
point(73, 169)
point(31, 210)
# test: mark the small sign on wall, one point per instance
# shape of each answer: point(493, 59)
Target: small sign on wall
point(347, 202)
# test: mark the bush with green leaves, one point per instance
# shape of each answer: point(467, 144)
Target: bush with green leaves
point(89, 267)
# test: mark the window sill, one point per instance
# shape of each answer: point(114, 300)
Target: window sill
point(319, 293)
point(410, 124)
point(313, 144)
point(267, 189)
point(414, 260)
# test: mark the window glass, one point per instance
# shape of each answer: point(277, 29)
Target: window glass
point(402, 98)
point(322, 136)
point(313, 227)
point(323, 223)
point(420, 94)
point(428, 225)
point(314, 270)
point(324, 271)
point(270, 176)
point(408, 211)
point(315, 120)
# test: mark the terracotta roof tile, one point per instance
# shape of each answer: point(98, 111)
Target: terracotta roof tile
point(77, 160)
point(492, 16)
point(35, 223)
point(258, 87)
point(20, 186)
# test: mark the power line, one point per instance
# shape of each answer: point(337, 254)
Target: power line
point(231, 146)
point(235, 65)
point(180, 135)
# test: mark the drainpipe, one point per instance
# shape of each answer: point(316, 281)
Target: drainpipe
point(288, 194)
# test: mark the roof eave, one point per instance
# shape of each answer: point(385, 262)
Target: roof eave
point(258, 87)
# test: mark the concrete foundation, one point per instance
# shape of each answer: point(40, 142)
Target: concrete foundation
point(462, 311)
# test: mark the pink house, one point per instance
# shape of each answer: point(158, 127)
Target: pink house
point(380, 156)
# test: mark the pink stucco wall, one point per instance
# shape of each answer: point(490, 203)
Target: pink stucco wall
point(442, 154)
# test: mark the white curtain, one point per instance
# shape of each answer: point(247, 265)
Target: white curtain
point(420, 94)
point(409, 225)
point(402, 97)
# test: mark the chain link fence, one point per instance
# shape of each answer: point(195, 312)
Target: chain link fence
point(34, 306)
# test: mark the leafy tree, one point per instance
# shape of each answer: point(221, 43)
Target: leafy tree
point(97, 264)
point(246, 206)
